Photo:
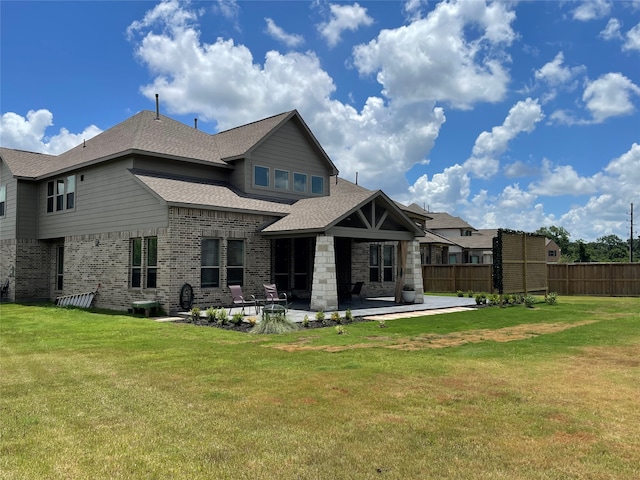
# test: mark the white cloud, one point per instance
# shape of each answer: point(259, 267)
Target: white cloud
point(413, 9)
point(562, 180)
point(223, 81)
point(433, 60)
point(610, 96)
point(591, 10)
point(632, 41)
point(228, 8)
point(488, 147)
point(554, 73)
point(276, 32)
point(612, 30)
point(343, 17)
point(444, 191)
point(28, 133)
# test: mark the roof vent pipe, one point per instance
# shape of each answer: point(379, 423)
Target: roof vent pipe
point(356, 178)
point(157, 108)
point(195, 123)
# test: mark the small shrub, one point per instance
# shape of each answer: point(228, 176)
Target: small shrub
point(529, 300)
point(341, 330)
point(335, 316)
point(222, 316)
point(320, 316)
point(470, 294)
point(211, 314)
point(305, 321)
point(460, 293)
point(551, 298)
point(382, 324)
point(252, 321)
point(348, 315)
point(494, 299)
point(237, 319)
point(195, 314)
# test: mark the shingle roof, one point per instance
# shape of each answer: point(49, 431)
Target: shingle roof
point(25, 164)
point(480, 240)
point(192, 192)
point(430, 237)
point(237, 141)
point(322, 212)
point(149, 133)
point(442, 220)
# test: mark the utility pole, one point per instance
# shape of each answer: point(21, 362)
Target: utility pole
point(631, 241)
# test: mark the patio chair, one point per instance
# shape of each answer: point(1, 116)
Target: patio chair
point(238, 299)
point(356, 291)
point(271, 295)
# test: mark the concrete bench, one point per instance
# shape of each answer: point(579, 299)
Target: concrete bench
point(146, 305)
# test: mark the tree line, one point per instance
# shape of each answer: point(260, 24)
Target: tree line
point(609, 248)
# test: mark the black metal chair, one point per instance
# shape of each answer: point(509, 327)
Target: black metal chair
point(357, 292)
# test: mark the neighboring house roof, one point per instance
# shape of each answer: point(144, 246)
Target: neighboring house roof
point(480, 240)
point(413, 208)
point(434, 238)
point(152, 134)
point(442, 220)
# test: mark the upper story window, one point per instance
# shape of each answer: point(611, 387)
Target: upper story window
point(261, 176)
point(61, 194)
point(465, 233)
point(300, 182)
point(317, 185)
point(553, 253)
point(3, 199)
point(282, 179)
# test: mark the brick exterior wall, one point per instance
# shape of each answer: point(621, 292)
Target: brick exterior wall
point(22, 262)
point(187, 228)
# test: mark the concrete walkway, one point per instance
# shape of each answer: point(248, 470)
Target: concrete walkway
point(371, 308)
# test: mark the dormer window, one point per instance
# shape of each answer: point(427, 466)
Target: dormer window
point(299, 182)
point(282, 179)
point(317, 185)
point(261, 176)
point(465, 233)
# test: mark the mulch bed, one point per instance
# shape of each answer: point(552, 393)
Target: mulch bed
point(246, 326)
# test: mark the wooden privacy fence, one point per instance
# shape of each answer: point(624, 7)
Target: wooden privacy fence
point(609, 279)
point(612, 279)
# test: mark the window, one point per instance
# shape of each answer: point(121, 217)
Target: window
point(136, 262)
point(282, 179)
point(71, 191)
point(374, 263)
point(299, 182)
point(3, 199)
point(317, 185)
point(453, 258)
point(152, 262)
point(61, 194)
point(261, 176)
point(210, 263)
point(387, 263)
point(465, 233)
point(553, 253)
point(59, 267)
point(235, 262)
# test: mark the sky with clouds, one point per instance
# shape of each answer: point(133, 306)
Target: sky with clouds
point(507, 114)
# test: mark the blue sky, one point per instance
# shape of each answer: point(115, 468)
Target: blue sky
point(507, 114)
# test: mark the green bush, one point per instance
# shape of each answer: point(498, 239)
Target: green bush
point(195, 314)
point(236, 319)
point(529, 300)
point(211, 314)
point(551, 298)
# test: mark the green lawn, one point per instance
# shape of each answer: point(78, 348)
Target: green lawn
point(551, 392)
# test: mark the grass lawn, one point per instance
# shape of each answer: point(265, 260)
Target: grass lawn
point(550, 392)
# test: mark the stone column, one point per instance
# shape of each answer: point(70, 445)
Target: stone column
point(324, 290)
point(413, 270)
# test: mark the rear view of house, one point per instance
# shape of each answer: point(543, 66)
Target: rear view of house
point(152, 205)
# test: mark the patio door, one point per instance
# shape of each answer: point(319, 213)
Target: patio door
point(281, 263)
point(342, 247)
